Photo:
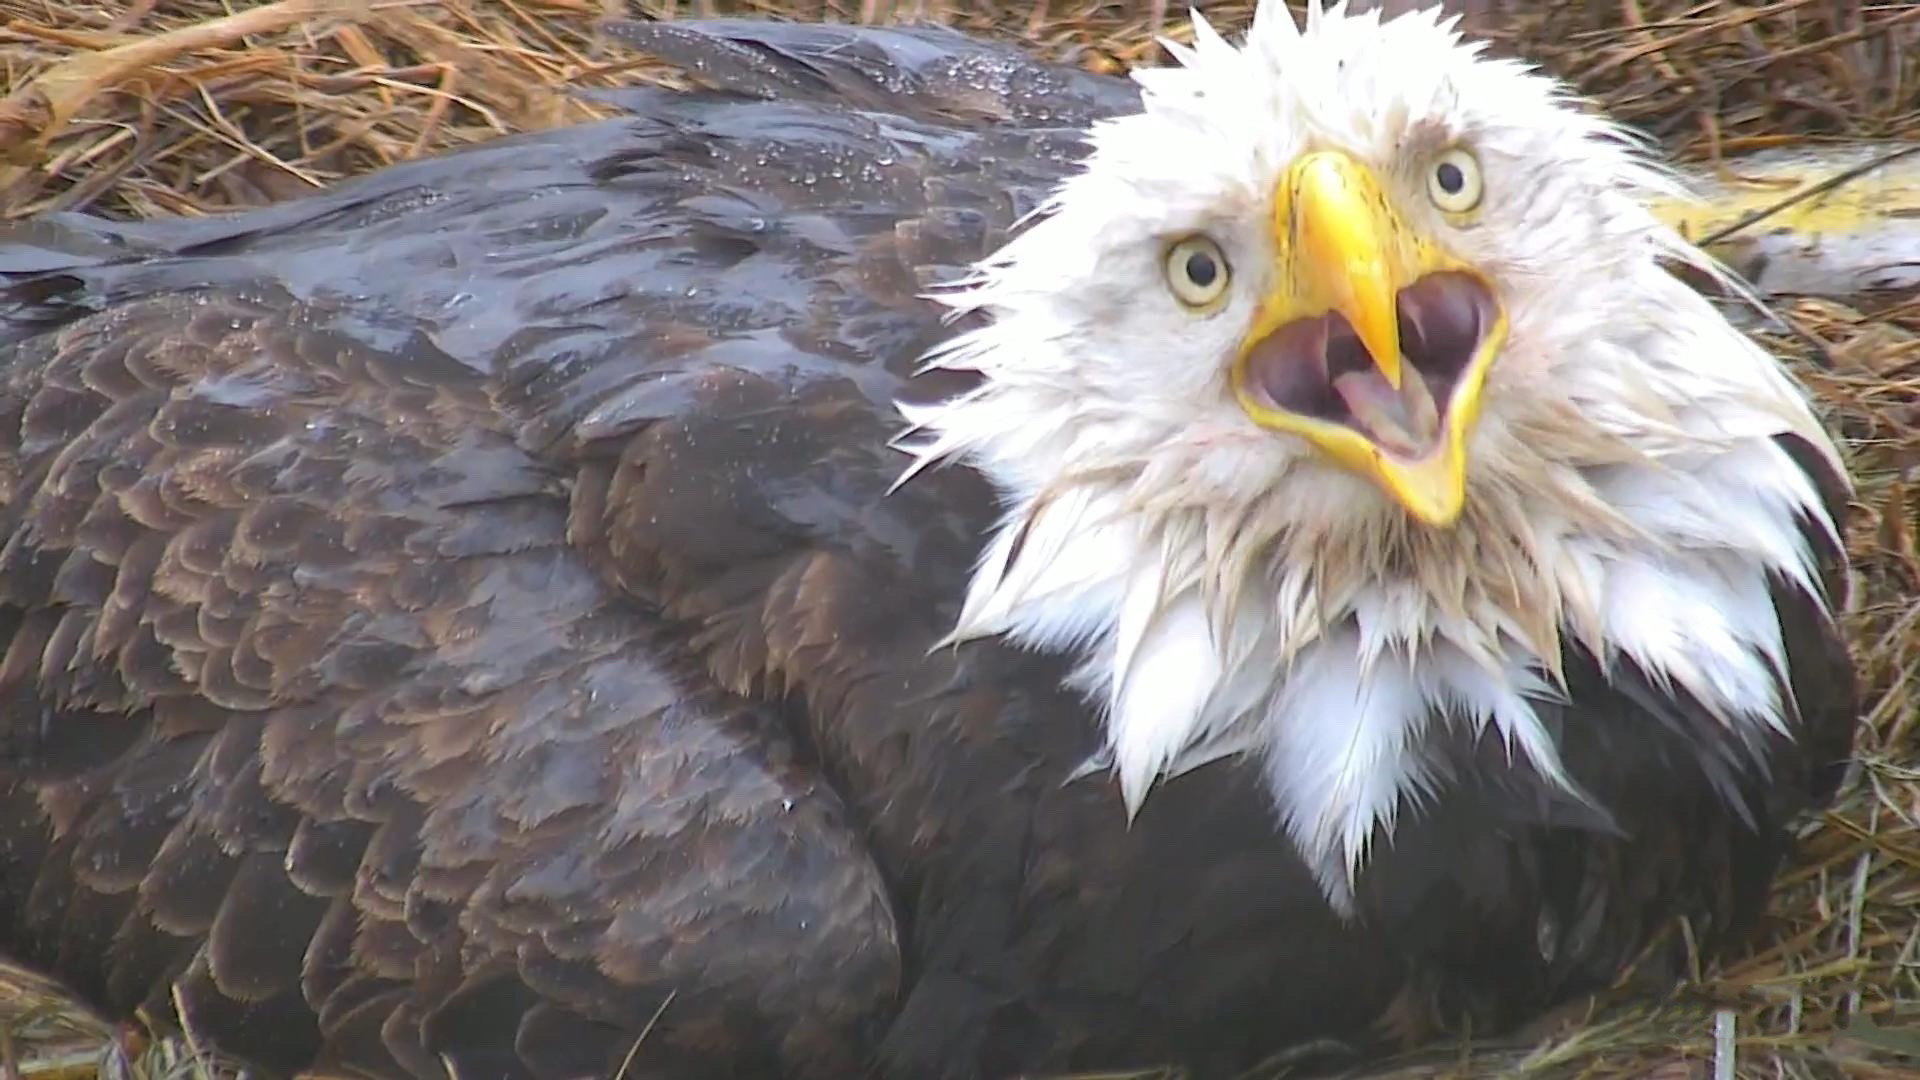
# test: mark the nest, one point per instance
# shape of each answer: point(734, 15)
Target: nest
point(135, 108)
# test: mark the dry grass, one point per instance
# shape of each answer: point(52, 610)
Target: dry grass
point(143, 107)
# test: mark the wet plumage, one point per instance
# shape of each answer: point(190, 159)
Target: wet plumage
point(463, 620)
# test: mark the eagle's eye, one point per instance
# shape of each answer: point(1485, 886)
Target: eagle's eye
point(1197, 271)
point(1453, 181)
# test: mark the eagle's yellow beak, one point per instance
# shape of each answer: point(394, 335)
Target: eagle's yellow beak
point(1374, 344)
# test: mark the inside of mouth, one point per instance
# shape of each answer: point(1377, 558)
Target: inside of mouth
point(1318, 367)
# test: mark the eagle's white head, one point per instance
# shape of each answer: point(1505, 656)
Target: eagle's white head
point(1340, 384)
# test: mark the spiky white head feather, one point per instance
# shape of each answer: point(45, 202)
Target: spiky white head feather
point(1232, 588)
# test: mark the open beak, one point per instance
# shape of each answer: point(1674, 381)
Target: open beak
point(1374, 343)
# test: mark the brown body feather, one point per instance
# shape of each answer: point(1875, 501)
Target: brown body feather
point(455, 624)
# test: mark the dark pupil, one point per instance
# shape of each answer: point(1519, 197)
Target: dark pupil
point(1450, 177)
point(1200, 269)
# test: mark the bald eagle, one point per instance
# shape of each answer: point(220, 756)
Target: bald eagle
point(913, 562)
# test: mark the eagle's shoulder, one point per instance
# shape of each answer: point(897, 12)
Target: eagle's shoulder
point(702, 315)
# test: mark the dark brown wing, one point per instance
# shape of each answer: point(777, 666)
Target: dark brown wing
point(311, 707)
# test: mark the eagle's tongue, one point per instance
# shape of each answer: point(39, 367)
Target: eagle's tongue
point(1404, 422)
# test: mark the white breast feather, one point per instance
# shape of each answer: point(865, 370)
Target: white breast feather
point(1228, 592)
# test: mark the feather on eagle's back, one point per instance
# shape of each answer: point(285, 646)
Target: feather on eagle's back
point(469, 603)
point(305, 669)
